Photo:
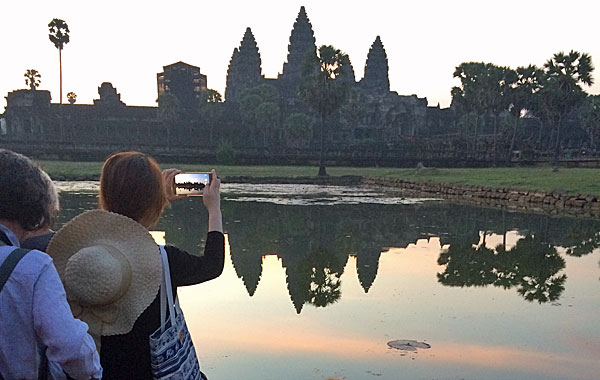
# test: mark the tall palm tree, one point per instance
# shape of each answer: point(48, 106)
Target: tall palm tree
point(32, 78)
point(522, 95)
point(470, 96)
point(561, 89)
point(497, 84)
point(324, 87)
point(59, 35)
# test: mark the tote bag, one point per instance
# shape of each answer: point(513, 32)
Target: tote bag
point(172, 352)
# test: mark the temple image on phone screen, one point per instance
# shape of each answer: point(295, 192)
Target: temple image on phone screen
point(191, 184)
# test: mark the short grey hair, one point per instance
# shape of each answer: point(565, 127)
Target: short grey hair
point(52, 193)
point(25, 195)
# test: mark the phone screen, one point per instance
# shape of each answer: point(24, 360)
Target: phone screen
point(191, 184)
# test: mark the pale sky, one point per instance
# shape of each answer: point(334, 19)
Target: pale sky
point(127, 42)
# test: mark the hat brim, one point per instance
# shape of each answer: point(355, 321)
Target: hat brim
point(99, 227)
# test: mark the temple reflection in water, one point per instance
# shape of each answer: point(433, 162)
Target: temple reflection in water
point(314, 244)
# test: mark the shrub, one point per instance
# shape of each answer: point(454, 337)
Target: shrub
point(225, 154)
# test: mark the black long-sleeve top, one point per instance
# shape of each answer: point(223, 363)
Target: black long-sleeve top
point(127, 356)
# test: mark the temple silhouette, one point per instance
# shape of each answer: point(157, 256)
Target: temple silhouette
point(376, 126)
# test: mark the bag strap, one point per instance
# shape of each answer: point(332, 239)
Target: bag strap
point(10, 263)
point(167, 288)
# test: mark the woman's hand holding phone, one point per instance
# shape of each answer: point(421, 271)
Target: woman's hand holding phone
point(169, 177)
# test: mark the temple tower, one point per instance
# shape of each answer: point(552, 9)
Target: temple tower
point(302, 43)
point(376, 80)
point(244, 68)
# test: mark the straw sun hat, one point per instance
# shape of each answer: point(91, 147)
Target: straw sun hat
point(110, 267)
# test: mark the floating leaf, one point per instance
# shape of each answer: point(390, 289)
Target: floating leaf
point(407, 345)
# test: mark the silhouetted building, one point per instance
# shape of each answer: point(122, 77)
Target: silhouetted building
point(108, 96)
point(182, 80)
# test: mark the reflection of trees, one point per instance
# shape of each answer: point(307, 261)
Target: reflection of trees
point(467, 266)
point(585, 244)
point(537, 266)
point(325, 283)
point(325, 287)
point(531, 266)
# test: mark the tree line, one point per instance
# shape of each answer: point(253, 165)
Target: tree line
point(552, 94)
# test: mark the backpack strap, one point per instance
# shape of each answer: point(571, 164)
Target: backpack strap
point(10, 263)
point(6, 270)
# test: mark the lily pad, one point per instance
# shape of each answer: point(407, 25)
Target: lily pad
point(407, 344)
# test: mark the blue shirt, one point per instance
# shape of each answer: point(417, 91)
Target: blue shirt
point(34, 312)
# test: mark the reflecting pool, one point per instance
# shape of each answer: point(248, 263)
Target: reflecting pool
point(319, 279)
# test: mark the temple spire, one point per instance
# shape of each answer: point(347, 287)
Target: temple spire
point(376, 78)
point(244, 68)
point(302, 43)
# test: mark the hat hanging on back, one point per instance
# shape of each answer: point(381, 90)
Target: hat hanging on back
point(110, 267)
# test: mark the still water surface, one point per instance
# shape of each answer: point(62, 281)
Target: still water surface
point(318, 279)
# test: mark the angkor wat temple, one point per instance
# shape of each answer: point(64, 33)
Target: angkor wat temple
point(263, 120)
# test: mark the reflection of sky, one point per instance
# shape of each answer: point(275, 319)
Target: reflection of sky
point(475, 333)
point(192, 177)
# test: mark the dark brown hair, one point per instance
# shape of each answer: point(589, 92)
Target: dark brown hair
point(24, 192)
point(131, 184)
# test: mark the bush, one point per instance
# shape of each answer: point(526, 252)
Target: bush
point(225, 154)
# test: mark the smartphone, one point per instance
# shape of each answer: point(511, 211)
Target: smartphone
point(191, 184)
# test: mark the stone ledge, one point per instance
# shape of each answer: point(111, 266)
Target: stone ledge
point(553, 202)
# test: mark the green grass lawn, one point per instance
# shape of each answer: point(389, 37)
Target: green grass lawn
point(571, 180)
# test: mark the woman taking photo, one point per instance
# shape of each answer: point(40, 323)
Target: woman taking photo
point(132, 185)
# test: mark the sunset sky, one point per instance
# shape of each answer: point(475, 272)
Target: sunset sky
point(128, 42)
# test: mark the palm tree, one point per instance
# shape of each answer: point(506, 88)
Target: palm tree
point(324, 88)
point(71, 97)
point(561, 89)
point(499, 81)
point(32, 78)
point(589, 116)
point(521, 95)
point(469, 96)
point(59, 35)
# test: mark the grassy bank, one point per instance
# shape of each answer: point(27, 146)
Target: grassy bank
point(571, 180)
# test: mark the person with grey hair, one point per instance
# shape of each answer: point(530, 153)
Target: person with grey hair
point(39, 338)
point(40, 238)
